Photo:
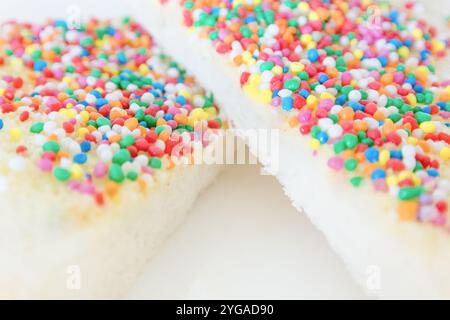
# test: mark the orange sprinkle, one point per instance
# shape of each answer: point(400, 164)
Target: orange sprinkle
point(407, 210)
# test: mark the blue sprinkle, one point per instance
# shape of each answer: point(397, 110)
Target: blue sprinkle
point(418, 88)
point(411, 80)
point(433, 173)
point(378, 174)
point(313, 55)
point(322, 137)
point(323, 78)
point(396, 154)
point(39, 65)
point(168, 117)
point(96, 94)
point(397, 43)
point(181, 100)
point(1, 124)
point(304, 93)
point(408, 43)
point(441, 105)
point(249, 19)
point(371, 154)
point(80, 158)
point(85, 146)
point(383, 61)
point(121, 58)
point(340, 100)
point(287, 103)
point(101, 102)
point(393, 15)
point(275, 93)
point(426, 109)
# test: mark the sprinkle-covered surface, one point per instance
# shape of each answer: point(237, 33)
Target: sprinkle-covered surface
point(356, 76)
point(96, 106)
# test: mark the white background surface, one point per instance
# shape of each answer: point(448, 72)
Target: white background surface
point(242, 238)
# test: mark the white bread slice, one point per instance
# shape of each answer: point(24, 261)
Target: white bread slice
point(53, 240)
point(59, 243)
point(391, 259)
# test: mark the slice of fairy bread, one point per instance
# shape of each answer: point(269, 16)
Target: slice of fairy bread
point(362, 113)
point(90, 184)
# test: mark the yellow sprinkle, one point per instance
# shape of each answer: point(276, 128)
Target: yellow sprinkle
point(327, 96)
point(428, 127)
point(76, 171)
point(312, 101)
point(306, 38)
point(313, 16)
point(417, 34)
point(412, 99)
point(405, 174)
point(199, 114)
point(246, 55)
point(277, 70)
point(265, 96)
point(412, 140)
point(403, 52)
point(143, 69)
point(185, 93)
point(384, 157)
point(445, 153)
point(70, 113)
point(311, 45)
point(391, 180)
point(15, 134)
point(437, 45)
point(358, 54)
point(251, 90)
point(254, 79)
point(84, 115)
point(296, 67)
point(314, 144)
point(416, 179)
point(82, 131)
point(303, 6)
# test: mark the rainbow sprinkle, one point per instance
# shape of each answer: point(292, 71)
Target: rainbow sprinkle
point(101, 103)
point(353, 75)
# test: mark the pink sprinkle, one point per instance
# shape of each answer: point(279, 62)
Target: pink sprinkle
point(100, 170)
point(45, 165)
point(336, 163)
point(304, 116)
point(380, 185)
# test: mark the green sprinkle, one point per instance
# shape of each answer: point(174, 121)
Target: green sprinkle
point(116, 173)
point(422, 117)
point(102, 121)
point(407, 193)
point(350, 164)
point(51, 146)
point(350, 140)
point(155, 163)
point(292, 84)
point(37, 127)
point(356, 181)
point(121, 157)
point(132, 175)
point(61, 174)
point(266, 66)
point(126, 141)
